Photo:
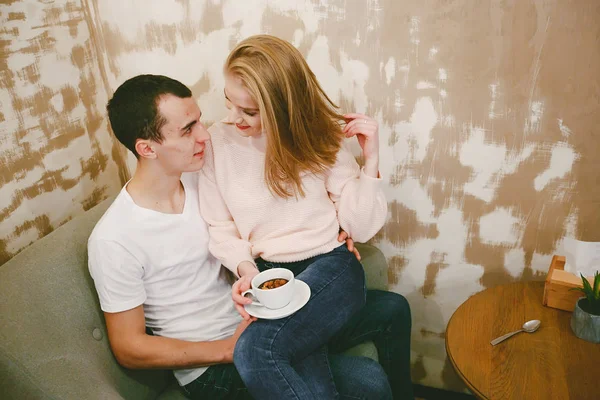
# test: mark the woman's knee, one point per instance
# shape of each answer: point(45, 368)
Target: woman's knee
point(242, 353)
point(249, 350)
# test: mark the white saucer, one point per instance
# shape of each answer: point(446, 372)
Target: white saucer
point(301, 296)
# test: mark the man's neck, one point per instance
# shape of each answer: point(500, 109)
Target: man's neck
point(156, 190)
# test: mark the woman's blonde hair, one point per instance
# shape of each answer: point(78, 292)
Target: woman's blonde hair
point(301, 122)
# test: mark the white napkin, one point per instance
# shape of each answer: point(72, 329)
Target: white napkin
point(581, 257)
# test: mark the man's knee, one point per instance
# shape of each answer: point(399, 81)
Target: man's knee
point(360, 377)
point(376, 380)
point(400, 304)
point(393, 306)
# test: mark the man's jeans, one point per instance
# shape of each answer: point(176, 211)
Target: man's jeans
point(385, 319)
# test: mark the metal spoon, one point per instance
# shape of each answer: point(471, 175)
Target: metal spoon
point(529, 327)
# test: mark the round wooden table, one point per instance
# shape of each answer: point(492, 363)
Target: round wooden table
point(551, 363)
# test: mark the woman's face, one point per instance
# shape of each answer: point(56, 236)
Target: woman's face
point(243, 110)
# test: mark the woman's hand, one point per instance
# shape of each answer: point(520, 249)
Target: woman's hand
point(343, 237)
point(366, 130)
point(247, 271)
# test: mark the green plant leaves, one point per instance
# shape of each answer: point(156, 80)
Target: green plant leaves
point(591, 293)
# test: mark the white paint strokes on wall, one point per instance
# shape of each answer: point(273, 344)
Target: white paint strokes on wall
point(514, 262)
point(442, 75)
point(349, 83)
point(532, 124)
point(499, 227)
point(432, 53)
point(298, 37)
point(422, 122)
point(493, 94)
point(355, 75)
point(485, 159)
point(421, 85)
point(414, 197)
point(390, 70)
point(130, 16)
point(541, 262)
point(10, 122)
point(561, 162)
point(448, 249)
point(414, 36)
point(514, 159)
point(566, 132)
point(405, 68)
point(451, 292)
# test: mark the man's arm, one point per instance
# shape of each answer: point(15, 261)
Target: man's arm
point(135, 349)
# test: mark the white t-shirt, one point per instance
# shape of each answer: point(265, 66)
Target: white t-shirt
point(141, 256)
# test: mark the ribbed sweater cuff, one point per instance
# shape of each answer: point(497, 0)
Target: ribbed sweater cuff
point(234, 260)
point(368, 182)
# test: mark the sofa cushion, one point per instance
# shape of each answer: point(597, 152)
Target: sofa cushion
point(53, 341)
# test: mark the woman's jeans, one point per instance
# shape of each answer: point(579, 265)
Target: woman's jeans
point(287, 358)
point(385, 320)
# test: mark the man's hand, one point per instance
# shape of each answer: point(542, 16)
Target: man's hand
point(247, 271)
point(236, 335)
point(343, 236)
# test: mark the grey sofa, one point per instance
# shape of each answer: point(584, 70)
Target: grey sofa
point(53, 342)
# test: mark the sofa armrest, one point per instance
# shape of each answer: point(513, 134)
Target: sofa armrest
point(375, 265)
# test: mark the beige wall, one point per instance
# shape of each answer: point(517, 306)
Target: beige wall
point(57, 157)
point(487, 110)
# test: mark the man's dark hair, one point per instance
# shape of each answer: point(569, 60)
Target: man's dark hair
point(133, 109)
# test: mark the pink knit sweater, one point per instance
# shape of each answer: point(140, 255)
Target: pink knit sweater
point(246, 221)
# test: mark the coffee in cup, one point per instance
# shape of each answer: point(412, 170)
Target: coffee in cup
point(273, 283)
point(272, 288)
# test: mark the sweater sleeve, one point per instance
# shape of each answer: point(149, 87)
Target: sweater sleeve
point(359, 199)
point(225, 243)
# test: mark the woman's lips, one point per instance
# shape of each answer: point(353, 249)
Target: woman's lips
point(242, 128)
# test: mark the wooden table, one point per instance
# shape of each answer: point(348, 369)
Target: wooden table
point(551, 363)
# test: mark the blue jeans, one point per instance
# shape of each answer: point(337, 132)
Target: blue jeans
point(385, 319)
point(355, 378)
point(287, 358)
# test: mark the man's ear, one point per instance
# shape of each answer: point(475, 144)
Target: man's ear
point(145, 148)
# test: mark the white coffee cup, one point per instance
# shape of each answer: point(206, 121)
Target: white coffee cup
point(272, 298)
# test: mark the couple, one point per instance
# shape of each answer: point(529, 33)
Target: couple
point(271, 186)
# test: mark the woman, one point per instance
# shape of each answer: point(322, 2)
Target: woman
point(276, 189)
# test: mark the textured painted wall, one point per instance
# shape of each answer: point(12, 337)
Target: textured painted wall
point(487, 110)
point(56, 154)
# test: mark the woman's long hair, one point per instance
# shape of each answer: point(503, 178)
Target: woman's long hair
point(301, 122)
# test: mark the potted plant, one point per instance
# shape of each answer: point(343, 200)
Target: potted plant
point(585, 320)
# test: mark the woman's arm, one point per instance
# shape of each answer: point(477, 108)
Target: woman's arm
point(226, 243)
point(357, 194)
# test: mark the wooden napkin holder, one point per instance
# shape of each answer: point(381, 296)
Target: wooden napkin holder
point(557, 293)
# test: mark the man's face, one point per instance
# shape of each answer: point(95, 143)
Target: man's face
point(184, 136)
point(243, 110)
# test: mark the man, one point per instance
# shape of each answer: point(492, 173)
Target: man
point(148, 256)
